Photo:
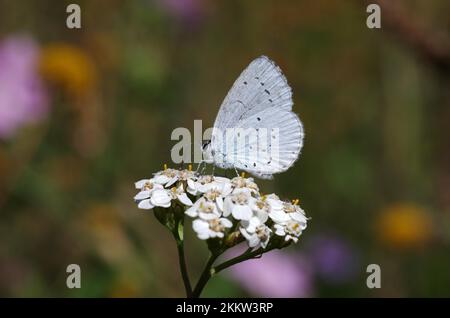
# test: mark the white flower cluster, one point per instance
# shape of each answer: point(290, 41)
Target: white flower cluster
point(220, 206)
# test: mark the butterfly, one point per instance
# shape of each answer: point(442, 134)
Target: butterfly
point(255, 129)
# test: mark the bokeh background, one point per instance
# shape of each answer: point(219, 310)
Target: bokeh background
point(85, 113)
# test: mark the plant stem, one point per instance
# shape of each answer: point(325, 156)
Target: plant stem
point(241, 258)
point(178, 234)
point(205, 276)
point(183, 269)
point(209, 271)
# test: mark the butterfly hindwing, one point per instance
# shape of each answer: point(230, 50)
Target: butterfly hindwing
point(274, 146)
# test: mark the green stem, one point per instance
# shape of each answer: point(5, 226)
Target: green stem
point(209, 271)
point(205, 276)
point(178, 234)
point(183, 269)
point(241, 258)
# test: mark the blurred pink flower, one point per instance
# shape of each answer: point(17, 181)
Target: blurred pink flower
point(334, 259)
point(23, 99)
point(187, 11)
point(275, 274)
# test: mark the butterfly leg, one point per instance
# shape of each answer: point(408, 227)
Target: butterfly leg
point(203, 169)
point(198, 167)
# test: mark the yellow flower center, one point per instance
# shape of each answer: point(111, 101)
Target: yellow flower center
point(261, 204)
point(148, 186)
point(205, 179)
point(289, 208)
point(212, 195)
point(205, 207)
point(261, 233)
point(215, 225)
point(240, 198)
point(239, 182)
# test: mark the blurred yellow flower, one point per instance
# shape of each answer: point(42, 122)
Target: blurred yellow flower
point(102, 226)
point(404, 225)
point(68, 66)
point(124, 288)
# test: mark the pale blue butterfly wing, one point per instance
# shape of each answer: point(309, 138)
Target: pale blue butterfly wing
point(261, 100)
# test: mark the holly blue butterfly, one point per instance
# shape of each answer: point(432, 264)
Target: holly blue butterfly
point(255, 129)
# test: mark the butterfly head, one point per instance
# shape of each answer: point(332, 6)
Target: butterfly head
point(208, 153)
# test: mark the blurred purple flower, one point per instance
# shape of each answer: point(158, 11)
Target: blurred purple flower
point(275, 274)
point(23, 99)
point(187, 11)
point(334, 260)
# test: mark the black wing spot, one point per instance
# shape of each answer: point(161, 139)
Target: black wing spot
point(267, 91)
point(259, 118)
point(270, 100)
point(245, 83)
point(246, 166)
point(262, 84)
point(268, 162)
point(254, 164)
point(256, 77)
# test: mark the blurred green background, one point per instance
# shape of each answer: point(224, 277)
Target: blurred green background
point(86, 113)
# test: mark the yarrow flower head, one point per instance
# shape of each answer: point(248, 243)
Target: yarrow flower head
point(290, 221)
point(211, 228)
point(166, 186)
point(238, 204)
point(228, 211)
